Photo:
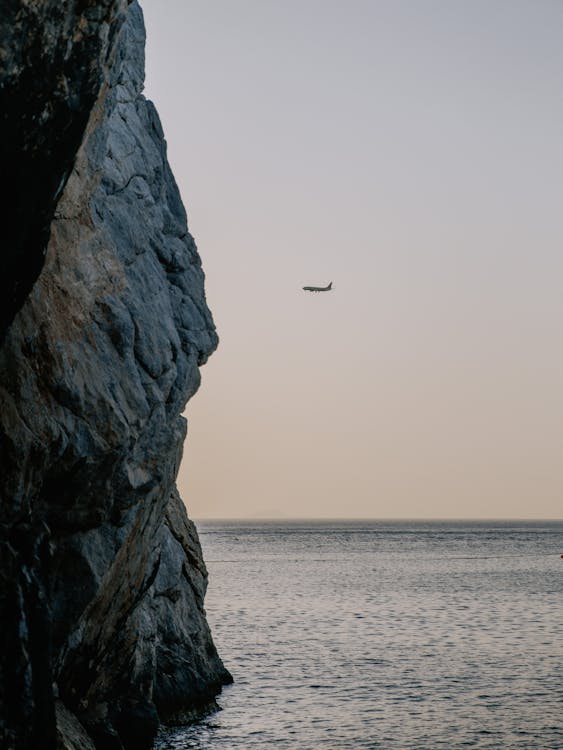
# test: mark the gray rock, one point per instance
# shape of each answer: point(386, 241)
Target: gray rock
point(71, 735)
point(95, 371)
point(53, 56)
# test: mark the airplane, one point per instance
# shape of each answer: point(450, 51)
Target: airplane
point(318, 288)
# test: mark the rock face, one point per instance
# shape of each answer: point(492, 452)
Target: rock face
point(102, 577)
point(53, 55)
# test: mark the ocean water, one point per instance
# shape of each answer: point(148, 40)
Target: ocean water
point(392, 635)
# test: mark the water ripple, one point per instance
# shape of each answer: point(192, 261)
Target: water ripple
point(402, 636)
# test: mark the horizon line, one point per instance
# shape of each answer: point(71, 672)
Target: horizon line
point(375, 518)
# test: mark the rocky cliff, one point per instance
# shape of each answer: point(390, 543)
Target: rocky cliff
point(105, 326)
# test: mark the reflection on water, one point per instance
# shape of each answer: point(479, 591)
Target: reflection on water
point(402, 636)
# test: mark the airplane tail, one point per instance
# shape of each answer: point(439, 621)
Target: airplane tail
point(330, 285)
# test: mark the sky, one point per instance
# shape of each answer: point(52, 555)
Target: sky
point(411, 152)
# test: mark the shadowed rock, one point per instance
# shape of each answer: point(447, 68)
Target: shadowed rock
point(53, 57)
point(102, 570)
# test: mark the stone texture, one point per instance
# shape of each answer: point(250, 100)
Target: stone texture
point(71, 735)
point(102, 573)
point(53, 55)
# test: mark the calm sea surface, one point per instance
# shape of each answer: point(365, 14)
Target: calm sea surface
point(394, 635)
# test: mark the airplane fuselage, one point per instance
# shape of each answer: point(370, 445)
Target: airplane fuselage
point(318, 288)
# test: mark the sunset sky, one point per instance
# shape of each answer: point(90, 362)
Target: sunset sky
point(411, 153)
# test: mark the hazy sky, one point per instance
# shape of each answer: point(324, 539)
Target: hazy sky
point(411, 152)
